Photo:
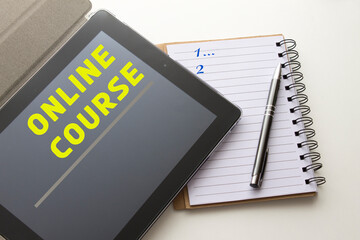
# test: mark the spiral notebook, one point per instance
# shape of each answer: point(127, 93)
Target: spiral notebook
point(241, 69)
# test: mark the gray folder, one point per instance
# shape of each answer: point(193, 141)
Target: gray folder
point(30, 32)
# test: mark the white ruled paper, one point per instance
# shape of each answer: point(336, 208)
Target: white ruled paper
point(241, 70)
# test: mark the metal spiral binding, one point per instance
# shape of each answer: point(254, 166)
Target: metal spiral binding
point(311, 144)
point(314, 156)
point(301, 98)
point(297, 76)
point(304, 109)
point(295, 65)
point(317, 180)
point(300, 87)
point(313, 166)
point(308, 132)
point(307, 121)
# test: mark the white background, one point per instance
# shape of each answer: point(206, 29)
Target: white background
point(328, 37)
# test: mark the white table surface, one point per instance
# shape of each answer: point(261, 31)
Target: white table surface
point(328, 37)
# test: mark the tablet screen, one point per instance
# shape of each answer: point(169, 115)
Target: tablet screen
point(93, 146)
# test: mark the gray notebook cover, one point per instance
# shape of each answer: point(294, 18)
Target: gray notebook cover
point(30, 32)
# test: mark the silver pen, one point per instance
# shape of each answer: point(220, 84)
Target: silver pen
point(263, 150)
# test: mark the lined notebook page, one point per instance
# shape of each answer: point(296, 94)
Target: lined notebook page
point(241, 70)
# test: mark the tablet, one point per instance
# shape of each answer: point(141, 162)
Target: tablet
point(101, 139)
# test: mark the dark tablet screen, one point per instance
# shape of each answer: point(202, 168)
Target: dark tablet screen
point(90, 149)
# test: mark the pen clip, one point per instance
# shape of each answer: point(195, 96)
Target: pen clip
point(263, 166)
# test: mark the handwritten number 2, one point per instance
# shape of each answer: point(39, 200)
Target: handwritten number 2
point(201, 67)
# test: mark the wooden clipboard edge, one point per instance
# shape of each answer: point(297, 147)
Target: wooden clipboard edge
point(163, 46)
point(182, 201)
point(187, 205)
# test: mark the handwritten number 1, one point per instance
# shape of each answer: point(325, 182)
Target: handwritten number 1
point(197, 52)
point(201, 67)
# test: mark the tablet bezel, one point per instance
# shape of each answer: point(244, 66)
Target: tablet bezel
point(227, 116)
